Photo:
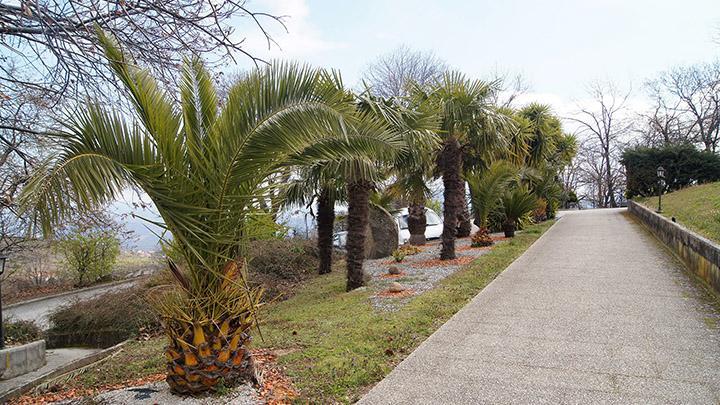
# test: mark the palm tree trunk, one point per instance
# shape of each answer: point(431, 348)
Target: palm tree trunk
point(464, 225)
point(325, 223)
point(451, 166)
point(357, 220)
point(417, 222)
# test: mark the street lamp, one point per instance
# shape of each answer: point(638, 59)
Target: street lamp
point(3, 259)
point(661, 185)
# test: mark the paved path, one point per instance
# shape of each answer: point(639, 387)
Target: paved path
point(39, 310)
point(56, 359)
point(596, 311)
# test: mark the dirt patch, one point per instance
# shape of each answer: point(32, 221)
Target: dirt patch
point(393, 276)
point(466, 248)
point(275, 387)
point(62, 395)
point(460, 261)
point(400, 294)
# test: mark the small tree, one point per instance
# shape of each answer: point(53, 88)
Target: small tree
point(89, 252)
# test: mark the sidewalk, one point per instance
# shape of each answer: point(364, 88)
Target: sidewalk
point(595, 311)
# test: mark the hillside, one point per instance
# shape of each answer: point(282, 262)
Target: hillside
point(697, 208)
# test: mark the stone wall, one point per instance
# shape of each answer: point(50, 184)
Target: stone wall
point(701, 255)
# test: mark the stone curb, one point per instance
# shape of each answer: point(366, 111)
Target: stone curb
point(74, 365)
point(71, 292)
point(19, 360)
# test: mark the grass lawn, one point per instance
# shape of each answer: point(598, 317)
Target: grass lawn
point(697, 208)
point(334, 345)
point(337, 345)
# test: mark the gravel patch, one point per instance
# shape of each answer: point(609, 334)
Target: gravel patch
point(159, 393)
point(418, 275)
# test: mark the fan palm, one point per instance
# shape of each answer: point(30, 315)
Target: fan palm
point(383, 118)
point(412, 169)
point(516, 204)
point(205, 169)
point(543, 131)
point(316, 185)
point(467, 116)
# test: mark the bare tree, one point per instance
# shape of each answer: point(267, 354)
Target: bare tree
point(52, 60)
point(603, 127)
point(688, 103)
point(55, 41)
point(391, 74)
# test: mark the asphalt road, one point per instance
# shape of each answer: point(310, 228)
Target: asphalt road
point(38, 311)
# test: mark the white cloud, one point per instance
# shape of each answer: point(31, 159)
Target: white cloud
point(302, 39)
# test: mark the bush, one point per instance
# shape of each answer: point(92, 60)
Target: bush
point(21, 332)
point(684, 165)
point(278, 264)
point(103, 321)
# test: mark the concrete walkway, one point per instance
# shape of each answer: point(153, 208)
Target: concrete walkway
point(596, 311)
point(57, 360)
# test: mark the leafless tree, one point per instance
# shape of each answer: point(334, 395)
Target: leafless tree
point(687, 105)
point(603, 128)
point(55, 41)
point(52, 60)
point(391, 74)
point(511, 86)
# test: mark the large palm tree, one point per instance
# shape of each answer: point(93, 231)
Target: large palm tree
point(468, 116)
point(206, 171)
point(378, 118)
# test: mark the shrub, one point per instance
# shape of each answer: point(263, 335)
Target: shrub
point(21, 332)
point(398, 255)
point(103, 321)
point(481, 238)
point(684, 165)
point(278, 264)
point(410, 250)
point(540, 213)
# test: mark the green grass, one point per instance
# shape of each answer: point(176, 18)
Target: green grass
point(697, 208)
point(334, 345)
point(337, 345)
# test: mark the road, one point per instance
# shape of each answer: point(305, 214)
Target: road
point(39, 310)
point(596, 311)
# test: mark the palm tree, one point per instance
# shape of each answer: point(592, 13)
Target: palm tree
point(468, 116)
point(543, 131)
point(486, 190)
point(205, 169)
point(309, 186)
point(516, 204)
point(379, 119)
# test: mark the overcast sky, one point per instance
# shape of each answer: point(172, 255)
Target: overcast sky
point(558, 46)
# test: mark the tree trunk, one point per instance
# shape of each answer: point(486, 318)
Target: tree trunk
point(325, 223)
point(464, 224)
point(417, 222)
point(451, 166)
point(357, 220)
point(509, 229)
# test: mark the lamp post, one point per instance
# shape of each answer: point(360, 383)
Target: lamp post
point(3, 259)
point(661, 185)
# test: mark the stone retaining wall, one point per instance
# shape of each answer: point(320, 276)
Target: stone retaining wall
point(700, 254)
point(23, 359)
